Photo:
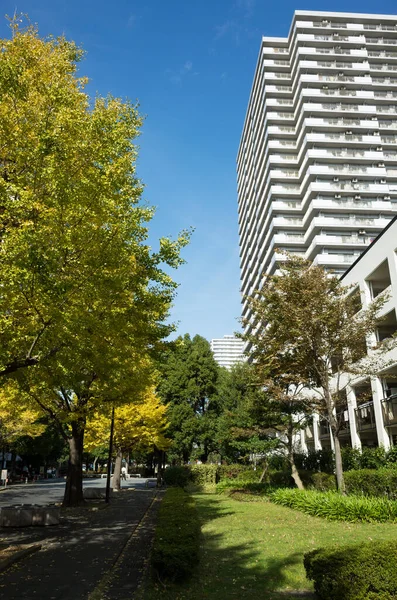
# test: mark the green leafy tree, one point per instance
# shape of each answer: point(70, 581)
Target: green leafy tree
point(189, 375)
point(310, 320)
point(84, 298)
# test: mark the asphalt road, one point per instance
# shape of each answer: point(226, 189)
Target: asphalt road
point(52, 490)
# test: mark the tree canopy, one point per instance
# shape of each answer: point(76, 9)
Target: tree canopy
point(84, 298)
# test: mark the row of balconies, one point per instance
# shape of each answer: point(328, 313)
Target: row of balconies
point(312, 206)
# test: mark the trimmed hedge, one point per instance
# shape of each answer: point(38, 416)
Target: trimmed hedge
point(231, 485)
point(203, 475)
point(380, 483)
point(365, 571)
point(334, 507)
point(177, 476)
point(177, 538)
point(240, 472)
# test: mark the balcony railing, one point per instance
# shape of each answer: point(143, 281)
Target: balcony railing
point(365, 417)
point(389, 406)
point(344, 425)
point(324, 428)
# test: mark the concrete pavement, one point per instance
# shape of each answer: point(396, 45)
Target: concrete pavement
point(50, 491)
point(93, 554)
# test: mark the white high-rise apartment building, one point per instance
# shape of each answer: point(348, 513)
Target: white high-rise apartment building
point(317, 164)
point(227, 350)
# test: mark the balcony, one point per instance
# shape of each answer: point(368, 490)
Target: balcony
point(379, 280)
point(324, 431)
point(342, 418)
point(389, 408)
point(365, 417)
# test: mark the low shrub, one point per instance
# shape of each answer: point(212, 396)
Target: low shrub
point(379, 483)
point(335, 507)
point(233, 485)
point(177, 538)
point(365, 571)
point(323, 482)
point(177, 476)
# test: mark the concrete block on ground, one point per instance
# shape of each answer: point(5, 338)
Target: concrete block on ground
point(95, 493)
point(16, 517)
point(44, 516)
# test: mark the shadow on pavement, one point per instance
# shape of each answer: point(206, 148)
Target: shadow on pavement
point(77, 553)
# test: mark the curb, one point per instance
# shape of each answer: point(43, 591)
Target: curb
point(99, 593)
point(17, 556)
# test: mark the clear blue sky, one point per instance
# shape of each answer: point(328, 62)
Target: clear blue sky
point(190, 64)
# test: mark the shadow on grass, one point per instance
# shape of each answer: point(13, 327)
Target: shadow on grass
point(233, 568)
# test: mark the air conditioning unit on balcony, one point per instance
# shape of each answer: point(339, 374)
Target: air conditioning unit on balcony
point(357, 197)
point(381, 164)
point(336, 179)
point(386, 197)
point(325, 87)
point(374, 118)
point(338, 196)
point(379, 149)
point(383, 181)
point(349, 133)
point(354, 180)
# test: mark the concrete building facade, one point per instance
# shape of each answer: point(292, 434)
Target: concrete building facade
point(317, 163)
point(370, 415)
point(227, 350)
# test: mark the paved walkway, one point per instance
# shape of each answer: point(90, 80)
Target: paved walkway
point(93, 555)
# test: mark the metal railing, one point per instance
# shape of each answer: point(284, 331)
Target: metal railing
point(365, 416)
point(389, 409)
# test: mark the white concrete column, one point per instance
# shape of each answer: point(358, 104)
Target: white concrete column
point(351, 406)
point(303, 444)
point(377, 396)
point(317, 443)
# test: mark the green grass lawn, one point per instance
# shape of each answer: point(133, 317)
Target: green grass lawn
point(255, 550)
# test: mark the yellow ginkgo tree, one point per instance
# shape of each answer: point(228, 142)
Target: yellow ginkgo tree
point(84, 299)
point(137, 427)
point(17, 416)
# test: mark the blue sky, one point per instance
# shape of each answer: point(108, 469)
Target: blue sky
point(190, 63)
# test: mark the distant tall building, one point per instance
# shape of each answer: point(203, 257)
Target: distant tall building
point(227, 350)
point(317, 163)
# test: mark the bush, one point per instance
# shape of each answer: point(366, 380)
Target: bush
point(177, 538)
point(230, 485)
point(177, 476)
point(203, 475)
point(316, 460)
point(238, 472)
point(379, 483)
point(366, 571)
point(373, 458)
point(351, 458)
point(323, 482)
point(334, 507)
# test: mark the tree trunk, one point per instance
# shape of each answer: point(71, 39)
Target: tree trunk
point(263, 475)
point(294, 470)
point(340, 482)
point(117, 471)
point(74, 480)
point(94, 464)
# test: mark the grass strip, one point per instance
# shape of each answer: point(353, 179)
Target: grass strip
point(177, 539)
